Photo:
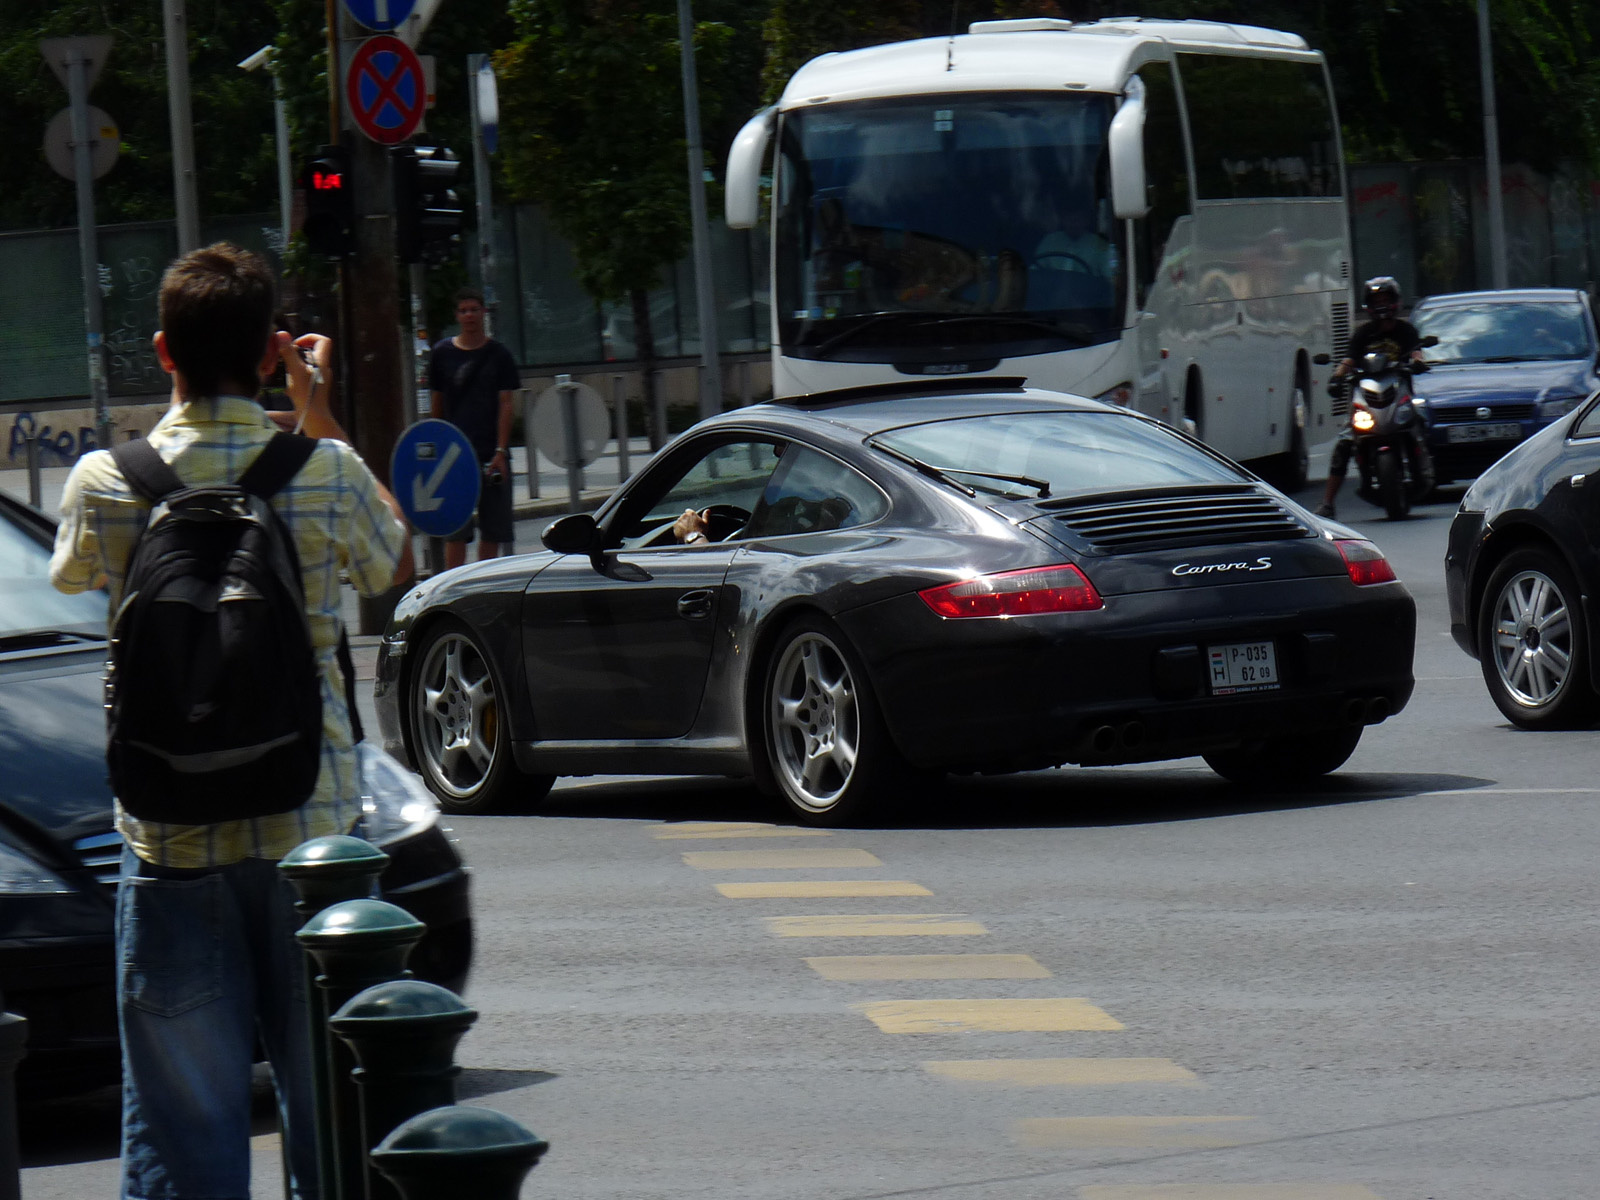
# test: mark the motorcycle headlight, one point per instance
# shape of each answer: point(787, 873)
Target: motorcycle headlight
point(20, 875)
point(1363, 420)
point(1552, 407)
point(394, 802)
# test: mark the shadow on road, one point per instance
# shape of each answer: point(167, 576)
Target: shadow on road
point(1061, 798)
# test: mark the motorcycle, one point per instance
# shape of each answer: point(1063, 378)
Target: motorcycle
point(1389, 432)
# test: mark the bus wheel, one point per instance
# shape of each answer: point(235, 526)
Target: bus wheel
point(1193, 398)
point(1290, 469)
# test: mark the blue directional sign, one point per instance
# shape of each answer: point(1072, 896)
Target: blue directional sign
point(380, 15)
point(436, 477)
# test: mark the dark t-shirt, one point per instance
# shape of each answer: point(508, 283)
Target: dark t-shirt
point(1397, 343)
point(471, 381)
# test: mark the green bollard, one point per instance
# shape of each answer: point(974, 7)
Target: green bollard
point(325, 871)
point(404, 1036)
point(354, 944)
point(459, 1151)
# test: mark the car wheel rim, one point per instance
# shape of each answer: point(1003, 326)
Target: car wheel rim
point(457, 718)
point(815, 727)
point(1532, 639)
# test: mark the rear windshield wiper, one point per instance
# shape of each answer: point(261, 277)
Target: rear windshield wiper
point(944, 474)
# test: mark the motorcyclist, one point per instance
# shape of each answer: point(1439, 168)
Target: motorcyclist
point(1385, 333)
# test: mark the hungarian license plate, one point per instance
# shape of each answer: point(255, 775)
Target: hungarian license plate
point(1243, 667)
point(1507, 431)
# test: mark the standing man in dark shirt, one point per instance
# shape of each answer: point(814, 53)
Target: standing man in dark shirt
point(472, 378)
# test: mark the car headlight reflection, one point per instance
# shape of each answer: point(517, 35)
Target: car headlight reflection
point(394, 803)
point(1363, 420)
point(20, 875)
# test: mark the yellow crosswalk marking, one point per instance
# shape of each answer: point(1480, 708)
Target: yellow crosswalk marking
point(1064, 1072)
point(928, 966)
point(1130, 1133)
point(876, 925)
point(680, 833)
point(822, 889)
point(1228, 1191)
point(763, 860)
point(1053, 1015)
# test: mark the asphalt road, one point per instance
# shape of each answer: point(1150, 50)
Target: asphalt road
point(1127, 984)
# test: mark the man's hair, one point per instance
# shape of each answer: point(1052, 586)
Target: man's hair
point(217, 306)
point(469, 293)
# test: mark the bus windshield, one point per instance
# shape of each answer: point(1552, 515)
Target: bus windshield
point(947, 228)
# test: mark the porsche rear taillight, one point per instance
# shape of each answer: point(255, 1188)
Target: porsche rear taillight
point(1365, 563)
point(1026, 593)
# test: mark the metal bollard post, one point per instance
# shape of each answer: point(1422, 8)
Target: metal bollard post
point(619, 405)
point(13, 1040)
point(459, 1151)
point(403, 1035)
point(533, 449)
point(35, 489)
point(355, 944)
point(326, 871)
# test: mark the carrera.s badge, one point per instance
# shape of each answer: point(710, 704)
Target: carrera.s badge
point(1264, 563)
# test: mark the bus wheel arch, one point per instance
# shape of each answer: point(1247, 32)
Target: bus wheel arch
point(1194, 397)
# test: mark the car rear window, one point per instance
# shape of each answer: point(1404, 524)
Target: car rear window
point(1070, 451)
point(1505, 331)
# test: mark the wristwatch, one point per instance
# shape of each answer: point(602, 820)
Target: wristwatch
point(695, 539)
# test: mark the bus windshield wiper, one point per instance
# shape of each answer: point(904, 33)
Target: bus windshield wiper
point(1080, 333)
point(863, 323)
point(944, 474)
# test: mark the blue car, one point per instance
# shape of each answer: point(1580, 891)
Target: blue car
point(1507, 364)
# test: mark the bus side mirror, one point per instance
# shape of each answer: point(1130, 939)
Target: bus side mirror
point(1125, 139)
point(741, 199)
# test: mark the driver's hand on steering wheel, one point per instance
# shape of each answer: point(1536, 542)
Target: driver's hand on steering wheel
point(691, 529)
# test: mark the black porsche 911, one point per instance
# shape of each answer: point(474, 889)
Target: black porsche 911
point(968, 576)
point(1522, 570)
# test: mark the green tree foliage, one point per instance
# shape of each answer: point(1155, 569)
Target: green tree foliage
point(233, 135)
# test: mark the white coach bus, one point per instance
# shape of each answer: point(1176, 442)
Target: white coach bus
point(1151, 212)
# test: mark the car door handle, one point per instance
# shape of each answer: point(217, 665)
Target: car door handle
point(696, 605)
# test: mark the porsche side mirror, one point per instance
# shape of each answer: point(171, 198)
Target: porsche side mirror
point(574, 534)
point(1321, 360)
point(1428, 341)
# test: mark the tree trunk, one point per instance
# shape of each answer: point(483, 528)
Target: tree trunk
point(644, 350)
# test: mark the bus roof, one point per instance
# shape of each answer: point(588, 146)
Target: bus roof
point(1025, 55)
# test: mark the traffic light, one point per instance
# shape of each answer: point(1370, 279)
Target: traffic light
point(427, 211)
point(330, 203)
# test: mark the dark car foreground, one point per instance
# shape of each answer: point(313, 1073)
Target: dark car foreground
point(1523, 572)
point(1507, 364)
point(59, 853)
point(957, 577)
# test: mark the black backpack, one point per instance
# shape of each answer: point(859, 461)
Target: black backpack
point(212, 693)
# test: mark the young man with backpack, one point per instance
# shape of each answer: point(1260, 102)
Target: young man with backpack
point(221, 551)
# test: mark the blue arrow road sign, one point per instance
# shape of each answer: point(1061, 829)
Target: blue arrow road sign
point(380, 15)
point(436, 477)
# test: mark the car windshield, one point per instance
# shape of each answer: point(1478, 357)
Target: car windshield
point(1070, 451)
point(1505, 331)
point(28, 602)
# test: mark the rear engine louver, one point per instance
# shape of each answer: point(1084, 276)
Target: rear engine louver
point(1214, 517)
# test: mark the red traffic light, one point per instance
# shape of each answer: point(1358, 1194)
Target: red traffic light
point(325, 181)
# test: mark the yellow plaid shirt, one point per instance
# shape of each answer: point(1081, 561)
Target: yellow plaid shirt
point(338, 520)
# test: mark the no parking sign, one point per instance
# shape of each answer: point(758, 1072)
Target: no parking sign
point(385, 89)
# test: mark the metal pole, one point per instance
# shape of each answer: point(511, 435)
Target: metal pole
point(88, 244)
point(280, 120)
point(1491, 152)
point(421, 395)
point(480, 184)
point(569, 429)
point(619, 405)
point(704, 284)
point(35, 492)
point(182, 122)
point(533, 447)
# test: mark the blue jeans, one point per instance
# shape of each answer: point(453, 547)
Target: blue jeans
point(207, 962)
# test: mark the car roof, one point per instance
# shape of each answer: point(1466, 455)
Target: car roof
point(1504, 295)
point(870, 410)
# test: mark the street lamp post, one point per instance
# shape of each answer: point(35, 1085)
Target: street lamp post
point(280, 112)
point(1491, 152)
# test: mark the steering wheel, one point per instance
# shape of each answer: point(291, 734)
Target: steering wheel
point(724, 520)
point(1074, 263)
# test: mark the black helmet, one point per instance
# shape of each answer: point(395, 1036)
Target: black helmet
point(1380, 296)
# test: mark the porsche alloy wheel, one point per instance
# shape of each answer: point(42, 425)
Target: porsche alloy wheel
point(1532, 643)
point(827, 748)
point(459, 738)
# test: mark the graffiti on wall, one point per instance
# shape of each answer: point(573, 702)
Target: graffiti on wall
point(57, 447)
point(130, 323)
